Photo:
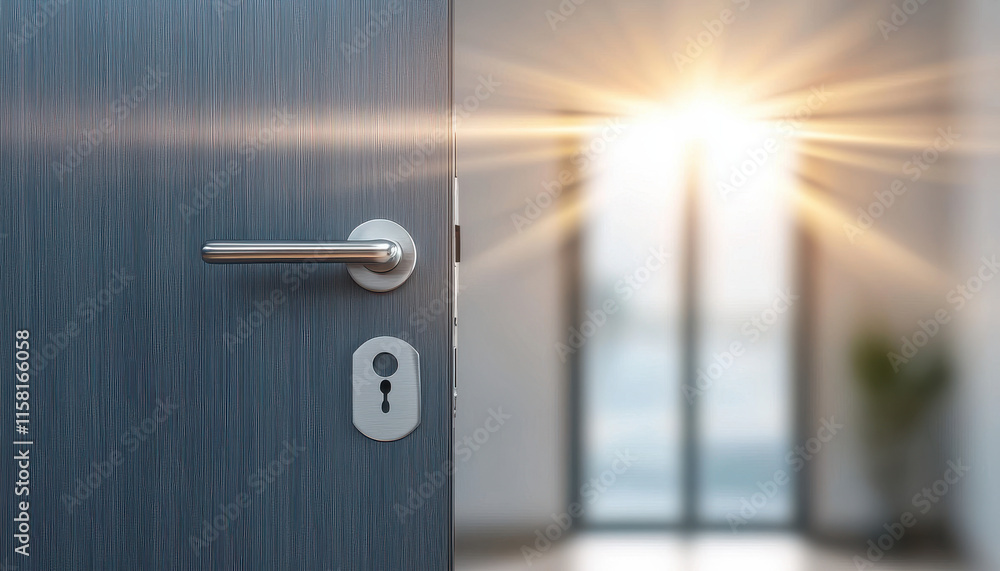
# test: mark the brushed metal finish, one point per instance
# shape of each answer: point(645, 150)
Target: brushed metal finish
point(377, 255)
point(386, 415)
point(132, 132)
point(381, 280)
point(380, 252)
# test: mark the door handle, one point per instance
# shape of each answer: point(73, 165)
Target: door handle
point(380, 254)
point(376, 255)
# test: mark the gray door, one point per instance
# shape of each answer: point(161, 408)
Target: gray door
point(183, 415)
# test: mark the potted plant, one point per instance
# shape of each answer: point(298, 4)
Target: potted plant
point(898, 398)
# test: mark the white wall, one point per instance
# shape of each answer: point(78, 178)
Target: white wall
point(979, 214)
point(510, 301)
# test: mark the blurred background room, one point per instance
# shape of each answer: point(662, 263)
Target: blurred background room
point(726, 292)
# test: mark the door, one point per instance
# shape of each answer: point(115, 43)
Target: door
point(169, 413)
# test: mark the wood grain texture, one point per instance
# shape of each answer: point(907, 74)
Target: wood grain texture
point(260, 126)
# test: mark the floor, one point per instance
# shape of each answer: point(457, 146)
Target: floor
point(709, 553)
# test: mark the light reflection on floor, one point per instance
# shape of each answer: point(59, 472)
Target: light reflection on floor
point(701, 553)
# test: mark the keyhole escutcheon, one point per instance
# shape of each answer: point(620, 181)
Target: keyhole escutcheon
point(385, 387)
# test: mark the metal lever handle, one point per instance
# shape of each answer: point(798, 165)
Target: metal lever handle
point(376, 255)
point(380, 254)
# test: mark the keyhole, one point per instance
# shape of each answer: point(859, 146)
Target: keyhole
point(385, 387)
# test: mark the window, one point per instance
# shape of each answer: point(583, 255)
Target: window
point(688, 324)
